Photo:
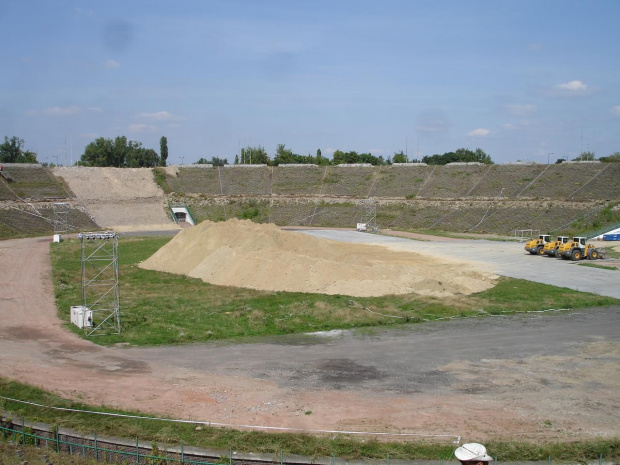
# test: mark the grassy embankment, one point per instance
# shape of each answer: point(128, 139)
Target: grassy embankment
point(341, 446)
point(164, 308)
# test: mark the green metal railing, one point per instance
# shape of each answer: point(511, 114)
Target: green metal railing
point(92, 448)
point(109, 451)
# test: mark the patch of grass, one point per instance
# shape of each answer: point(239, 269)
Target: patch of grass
point(164, 308)
point(602, 267)
point(159, 174)
point(342, 446)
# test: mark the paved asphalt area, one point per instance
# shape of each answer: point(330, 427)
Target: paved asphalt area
point(502, 258)
point(403, 360)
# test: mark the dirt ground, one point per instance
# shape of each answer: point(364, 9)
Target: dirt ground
point(478, 381)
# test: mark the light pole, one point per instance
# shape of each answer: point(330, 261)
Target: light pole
point(550, 153)
point(182, 160)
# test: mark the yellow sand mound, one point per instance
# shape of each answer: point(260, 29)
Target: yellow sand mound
point(257, 256)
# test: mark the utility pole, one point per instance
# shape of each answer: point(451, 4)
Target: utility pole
point(550, 153)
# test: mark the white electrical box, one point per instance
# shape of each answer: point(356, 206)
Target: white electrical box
point(81, 316)
point(361, 226)
point(57, 238)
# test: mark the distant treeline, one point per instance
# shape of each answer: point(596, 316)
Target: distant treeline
point(123, 153)
point(258, 155)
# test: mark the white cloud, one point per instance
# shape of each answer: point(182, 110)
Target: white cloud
point(55, 111)
point(525, 109)
point(480, 132)
point(615, 110)
point(141, 128)
point(573, 86)
point(111, 64)
point(161, 116)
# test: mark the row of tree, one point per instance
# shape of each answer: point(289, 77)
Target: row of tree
point(258, 155)
point(123, 153)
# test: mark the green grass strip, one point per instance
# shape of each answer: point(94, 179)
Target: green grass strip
point(163, 308)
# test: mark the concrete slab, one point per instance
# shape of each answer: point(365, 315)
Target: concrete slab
point(502, 258)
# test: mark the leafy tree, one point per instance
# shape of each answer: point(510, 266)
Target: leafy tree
point(560, 160)
point(163, 151)
point(11, 151)
point(215, 161)
point(586, 156)
point(119, 153)
point(284, 155)
point(461, 155)
point(254, 156)
point(236, 159)
point(341, 157)
point(399, 157)
point(613, 158)
point(141, 158)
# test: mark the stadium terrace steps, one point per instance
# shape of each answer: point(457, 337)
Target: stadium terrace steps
point(560, 181)
point(522, 181)
point(297, 180)
point(456, 198)
point(26, 220)
point(452, 181)
point(245, 180)
point(400, 181)
point(5, 192)
point(293, 213)
point(505, 180)
point(30, 181)
point(348, 181)
point(196, 180)
point(606, 185)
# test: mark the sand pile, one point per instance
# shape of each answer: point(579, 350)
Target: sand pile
point(245, 254)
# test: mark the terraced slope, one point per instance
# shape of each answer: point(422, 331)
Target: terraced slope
point(30, 181)
point(21, 219)
point(119, 198)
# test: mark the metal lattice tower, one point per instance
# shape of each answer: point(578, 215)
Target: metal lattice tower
point(100, 281)
point(368, 213)
point(61, 218)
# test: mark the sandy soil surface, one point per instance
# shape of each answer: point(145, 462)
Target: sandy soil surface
point(541, 377)
point(262, 256)
point(119, 198)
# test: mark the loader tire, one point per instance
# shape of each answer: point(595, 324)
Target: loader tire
point(540, 251)
point(593, 254)
point(576, 255)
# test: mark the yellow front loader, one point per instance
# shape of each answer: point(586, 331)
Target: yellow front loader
point(551, 248)
point(578, 249)
point(535, 246)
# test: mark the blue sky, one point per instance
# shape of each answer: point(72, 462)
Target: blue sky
point(519, 79)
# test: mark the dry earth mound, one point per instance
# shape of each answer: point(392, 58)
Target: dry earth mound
point(119, 198)
point(245, 254)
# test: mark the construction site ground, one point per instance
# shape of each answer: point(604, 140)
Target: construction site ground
point(541, 376)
